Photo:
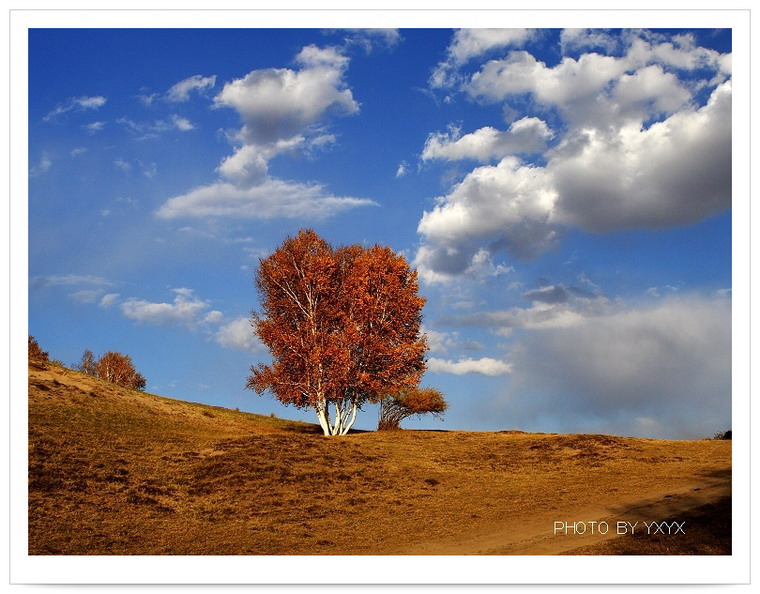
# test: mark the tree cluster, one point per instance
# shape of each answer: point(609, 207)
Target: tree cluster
point(342, 326)
point(113, 367)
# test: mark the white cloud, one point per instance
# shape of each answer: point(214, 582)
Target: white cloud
point(75, 104)
point(87, 295)
point(509, 206)
point(282, 111)
point(238, 335)
point(56, 280)
point(94, 127)
point(150, 170)
point(670, 363)
point(369, 39)
point(109, 299)
point(403, 169)
point(581, 39)
point(471, 43)
point(147, 130)
point(182, 124)
point(443, 342)
point(122, 164)
point(186, 310)
point(278, 103)
point(42, 166)
point(553, 306)
point(213, 317)
point(527, 135)
point(180, 92)
point(147, 99)
point(636, 150)
point(484, 366)
point(572, 85)
point(675, 172)
point(249, 164)
point(271, 199)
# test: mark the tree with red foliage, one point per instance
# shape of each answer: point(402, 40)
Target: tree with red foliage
point(35, 352)
point(342, 326)
point(402, 404)
point(113, 367)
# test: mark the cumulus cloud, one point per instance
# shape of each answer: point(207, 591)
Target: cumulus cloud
point(483, 366)
point(507, 206)
point(675, 172)
point(186, 310)
point(75, 104)
point(180, 92)
point(527, 135)
point(278, 103)
point(442, 342)
point(238, 335)
point(471, 43)
point(661, 371)
point(282, 110)
point(581, 39)
point(636, 150)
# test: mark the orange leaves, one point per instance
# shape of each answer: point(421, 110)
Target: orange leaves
point(35, 352)
point(113, 367)
point(402, 404)
point(342, 325)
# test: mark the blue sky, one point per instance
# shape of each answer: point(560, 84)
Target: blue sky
point(564, 194)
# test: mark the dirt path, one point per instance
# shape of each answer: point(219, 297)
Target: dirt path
point(536, 535)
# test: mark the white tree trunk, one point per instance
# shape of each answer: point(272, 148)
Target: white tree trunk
point(323, 416)
point(344, 417)
point(350, 423)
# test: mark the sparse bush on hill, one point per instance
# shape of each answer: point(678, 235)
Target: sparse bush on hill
point(342, 325)
point(403, 404)
point(723, 435)
point(35, 352)
point(113, 367)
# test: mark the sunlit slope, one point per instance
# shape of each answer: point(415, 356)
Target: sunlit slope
point(114, 471)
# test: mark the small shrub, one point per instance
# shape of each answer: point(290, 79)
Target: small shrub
point(414, 402)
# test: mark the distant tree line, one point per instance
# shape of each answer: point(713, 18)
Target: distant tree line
point(112, 366)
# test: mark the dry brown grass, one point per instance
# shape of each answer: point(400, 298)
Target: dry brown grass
point(114, 471)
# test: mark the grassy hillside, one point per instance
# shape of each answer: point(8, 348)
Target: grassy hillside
point(115, 471)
